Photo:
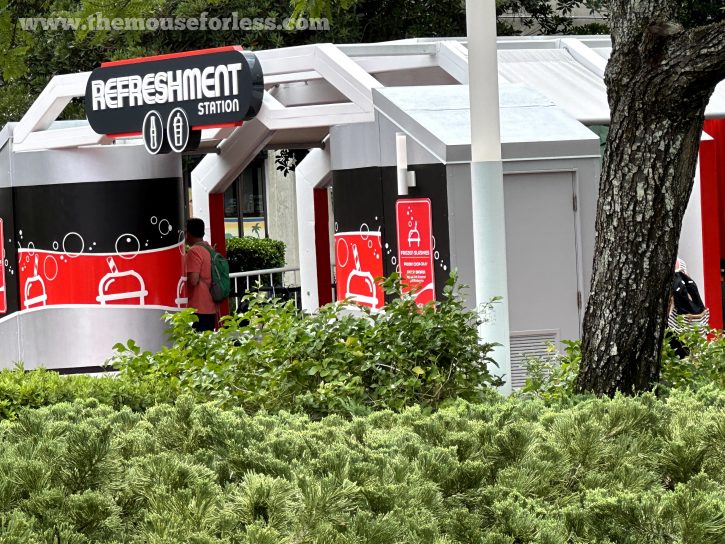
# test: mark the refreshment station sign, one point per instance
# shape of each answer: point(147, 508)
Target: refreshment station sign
point(415, 247)
point(169, 99)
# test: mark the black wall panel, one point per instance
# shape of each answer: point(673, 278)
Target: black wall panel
point(365, 198)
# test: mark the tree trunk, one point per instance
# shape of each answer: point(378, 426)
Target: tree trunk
point(657, 95)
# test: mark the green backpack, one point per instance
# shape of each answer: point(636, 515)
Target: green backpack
point(220, 282)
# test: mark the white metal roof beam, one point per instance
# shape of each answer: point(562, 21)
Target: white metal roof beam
point(323, 115)
point(60, 138)
point(216, 172)
point(286, 60)
point(345, 75)
point(50, 103)
point(388, 49)
point(293, 77)
point(217, 133)
point(317, 91)
point(381, 65)
point(453, 58)
point(584, 56)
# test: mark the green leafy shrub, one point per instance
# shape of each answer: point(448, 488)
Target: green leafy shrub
point(33, 389)
point(624, 470)
point(704, 365)
point(553, 377)
point(250, 253)
point(342, 359)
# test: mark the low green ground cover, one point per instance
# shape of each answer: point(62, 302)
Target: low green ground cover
point(357, 429)
point(497, 472)
point(37, 388)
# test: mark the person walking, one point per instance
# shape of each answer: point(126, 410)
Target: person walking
point(199, 277)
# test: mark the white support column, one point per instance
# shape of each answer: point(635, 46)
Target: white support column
point(312, 173)
point(200, 204)
point(401, 148)
point(489, 235)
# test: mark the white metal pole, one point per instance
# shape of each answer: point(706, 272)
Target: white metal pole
point(489, 234)
point(401, 152)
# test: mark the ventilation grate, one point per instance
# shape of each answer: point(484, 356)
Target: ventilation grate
point(527, 344)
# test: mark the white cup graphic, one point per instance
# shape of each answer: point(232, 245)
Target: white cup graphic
point(181, 301)
point(365, 291)
point(35, 286)
point(414, 235)
point(106, 286)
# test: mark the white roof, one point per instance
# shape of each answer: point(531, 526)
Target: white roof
point(558, 69)
point(558, 76)
point(311, 88)
point(439, 118)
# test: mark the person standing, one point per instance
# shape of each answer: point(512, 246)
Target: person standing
point(198, 276)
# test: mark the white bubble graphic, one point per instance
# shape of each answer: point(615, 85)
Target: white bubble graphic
point(164, 230)
point(130, 246)
point(342, 251)
point(53, 267)
point(73, 237)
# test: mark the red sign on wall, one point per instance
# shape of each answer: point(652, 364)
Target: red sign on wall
point(415, 247)
point(49, 278)
point(358, 262)
point(3, 291)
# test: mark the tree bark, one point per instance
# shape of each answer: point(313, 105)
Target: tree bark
point(659, 79)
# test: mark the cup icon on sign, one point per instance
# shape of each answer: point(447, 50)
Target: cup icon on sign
point(181, 298)
point(414, 235)
point(116, 286)
point(363, 291)
point(35, 286)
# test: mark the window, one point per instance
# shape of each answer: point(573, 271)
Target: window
point(232, 221)
point(245, 209)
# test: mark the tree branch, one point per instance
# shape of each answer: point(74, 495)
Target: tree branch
point(704, 47)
